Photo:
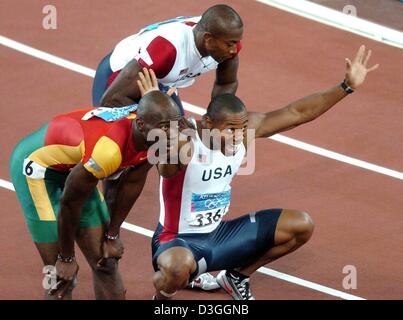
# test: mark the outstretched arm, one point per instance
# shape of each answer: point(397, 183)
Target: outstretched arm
point(311, 107)
point(226, 77)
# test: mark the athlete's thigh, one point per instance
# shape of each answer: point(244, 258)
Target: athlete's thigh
point(37, 190)
point(236, 243)
point(101, 78)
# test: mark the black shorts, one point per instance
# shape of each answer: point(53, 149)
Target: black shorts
point(233, 244)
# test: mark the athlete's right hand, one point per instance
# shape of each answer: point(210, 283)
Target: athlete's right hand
point(111, 249)
point(148, 82)
point(66, 277)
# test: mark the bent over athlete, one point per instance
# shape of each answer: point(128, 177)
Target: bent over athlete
point(191, 237)
point(55, 171)
point(178, 50)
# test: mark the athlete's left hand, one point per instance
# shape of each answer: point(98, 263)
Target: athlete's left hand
point(66, 276)
point(111, 249)
point(148, 82)
point(357, 70)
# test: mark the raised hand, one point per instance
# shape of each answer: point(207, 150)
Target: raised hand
point(357, 70)
point(148, 82)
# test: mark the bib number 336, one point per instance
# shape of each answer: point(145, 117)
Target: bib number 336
point(206, 218)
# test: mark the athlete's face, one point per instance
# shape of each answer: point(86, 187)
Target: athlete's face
point(162, 130)
point(232, 130)
point(223, 47)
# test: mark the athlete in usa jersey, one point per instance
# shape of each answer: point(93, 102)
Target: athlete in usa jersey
point(178, 50)
point(191, 236)
point(198, 197)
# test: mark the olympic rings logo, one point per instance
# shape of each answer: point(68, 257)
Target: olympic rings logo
point(215, 203)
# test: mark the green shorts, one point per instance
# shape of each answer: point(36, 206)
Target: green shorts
point(40, 198)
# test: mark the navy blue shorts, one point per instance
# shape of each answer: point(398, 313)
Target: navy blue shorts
point(102, 76)
point(233, 244)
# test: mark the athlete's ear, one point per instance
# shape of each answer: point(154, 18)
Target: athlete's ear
point(140, 124)
point(207, 39)
point(208, 121)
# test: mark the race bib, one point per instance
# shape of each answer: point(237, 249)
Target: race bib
point(33, 170)
point(110, 114)
point(209, 208)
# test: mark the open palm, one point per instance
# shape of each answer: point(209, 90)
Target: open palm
point(357, 70)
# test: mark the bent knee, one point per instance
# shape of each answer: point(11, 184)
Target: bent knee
point(109, 267)
point(304, 226)
point(299, 224)
point(177, 269)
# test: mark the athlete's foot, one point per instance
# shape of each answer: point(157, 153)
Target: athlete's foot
point(235, 284)
point(205, 281)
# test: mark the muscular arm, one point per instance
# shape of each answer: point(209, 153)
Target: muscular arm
point(79, 185)
point(296, 113)
point(128, 190)
point(124, 89)
point(226, 77)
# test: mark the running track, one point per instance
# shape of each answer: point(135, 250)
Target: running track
point(357, 211)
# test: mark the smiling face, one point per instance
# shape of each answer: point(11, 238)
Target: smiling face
point(226, 121)
point(231, 131)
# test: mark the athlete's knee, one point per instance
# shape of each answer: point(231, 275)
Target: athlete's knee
point(178, 273)
point(296, 225)
point(303, 226)
point(108, 267)
point(177, 270)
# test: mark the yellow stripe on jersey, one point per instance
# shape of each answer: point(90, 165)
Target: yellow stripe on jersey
point(101, 195)
point(55, 154)
point(40, 197)
point(105, 158)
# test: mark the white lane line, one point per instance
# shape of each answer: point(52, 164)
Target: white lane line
point(6, 185)
point(339, 20)
point(337, 156)
point(42, 55)
point(269, 272)
point(137, 229)
point(308, 284)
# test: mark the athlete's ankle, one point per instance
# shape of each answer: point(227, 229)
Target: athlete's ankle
point(236, 274)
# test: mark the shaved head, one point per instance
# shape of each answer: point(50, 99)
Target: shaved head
point(156, 106)
point(223, 105)
point(219, 20)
